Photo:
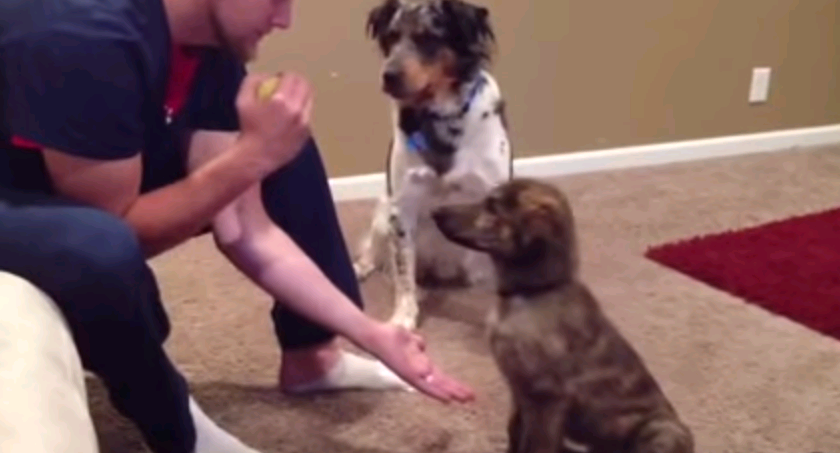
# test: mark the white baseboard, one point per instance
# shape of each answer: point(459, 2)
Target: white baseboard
point(373, 184)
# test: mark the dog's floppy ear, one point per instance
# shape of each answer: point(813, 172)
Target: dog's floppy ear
point(380, 16)
point(543, 227)
point(473, 21)
point(531, 238)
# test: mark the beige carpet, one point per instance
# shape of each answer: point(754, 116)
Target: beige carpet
point(745, 380)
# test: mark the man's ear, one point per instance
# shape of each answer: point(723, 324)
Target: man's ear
point(379, 17)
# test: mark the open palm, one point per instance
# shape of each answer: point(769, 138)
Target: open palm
point(404, 353)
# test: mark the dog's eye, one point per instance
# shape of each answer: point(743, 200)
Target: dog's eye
point(389, 39)
point(427, 42)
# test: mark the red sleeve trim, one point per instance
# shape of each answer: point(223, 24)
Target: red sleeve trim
point(182, 73)
point(21, 142)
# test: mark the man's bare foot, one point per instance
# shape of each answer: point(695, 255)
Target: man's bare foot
point(329, 368)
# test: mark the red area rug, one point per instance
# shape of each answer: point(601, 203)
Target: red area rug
point(789, 267)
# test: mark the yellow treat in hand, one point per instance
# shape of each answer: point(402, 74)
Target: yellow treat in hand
point(268, 87)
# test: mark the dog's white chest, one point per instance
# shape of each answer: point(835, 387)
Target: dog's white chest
point(439, 155)
point(467, 152)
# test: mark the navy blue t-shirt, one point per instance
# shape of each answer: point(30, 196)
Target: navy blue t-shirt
point(102, 79)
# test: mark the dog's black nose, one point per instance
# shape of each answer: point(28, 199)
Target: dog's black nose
point(391, 81)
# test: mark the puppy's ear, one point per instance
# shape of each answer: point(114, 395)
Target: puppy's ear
point(379, 17)
point(542, 224)
point(532, 237)
point(542, 231)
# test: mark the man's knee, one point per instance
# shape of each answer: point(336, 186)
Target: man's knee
point(87, 260)
point(115, 263)
point(111, 246)
point(101, 251)
point(109, 291)
point(64, 248)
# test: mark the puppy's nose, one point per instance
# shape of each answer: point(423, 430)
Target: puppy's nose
point(391, 81)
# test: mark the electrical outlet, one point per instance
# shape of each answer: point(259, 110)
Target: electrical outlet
point(760, 85)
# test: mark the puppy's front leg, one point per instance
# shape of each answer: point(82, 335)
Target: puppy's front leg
point(666, 435)
point(515, 431)
point(543, 426)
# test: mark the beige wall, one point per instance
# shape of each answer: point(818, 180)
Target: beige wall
point(584, 74)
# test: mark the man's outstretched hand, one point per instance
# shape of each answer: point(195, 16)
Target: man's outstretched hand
point(404, 353)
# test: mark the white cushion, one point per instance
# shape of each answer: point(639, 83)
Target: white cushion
point(43, 399)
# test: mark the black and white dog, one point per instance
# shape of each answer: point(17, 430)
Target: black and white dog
point(449, 145)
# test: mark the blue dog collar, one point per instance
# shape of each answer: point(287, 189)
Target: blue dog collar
point(417, 140)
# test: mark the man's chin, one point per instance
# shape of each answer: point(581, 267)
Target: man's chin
point(248, 55)
point(251, 50)
point(243, 51)
point(243, 54)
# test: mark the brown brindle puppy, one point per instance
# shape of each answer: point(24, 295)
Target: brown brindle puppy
point(572, 376)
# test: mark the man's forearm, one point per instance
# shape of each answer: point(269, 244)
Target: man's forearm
point(170, 215)
point(262, 251)
point(274, 262)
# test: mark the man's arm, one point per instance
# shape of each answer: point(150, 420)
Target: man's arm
point(167, 216)
point(244, 232)
point(80, 97)
point(263, 252)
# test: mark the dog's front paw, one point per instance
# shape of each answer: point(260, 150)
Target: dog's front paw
point(477, 269)
point(363, 268)
point(404, 321)
point(406, 312)
point(421, 175)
